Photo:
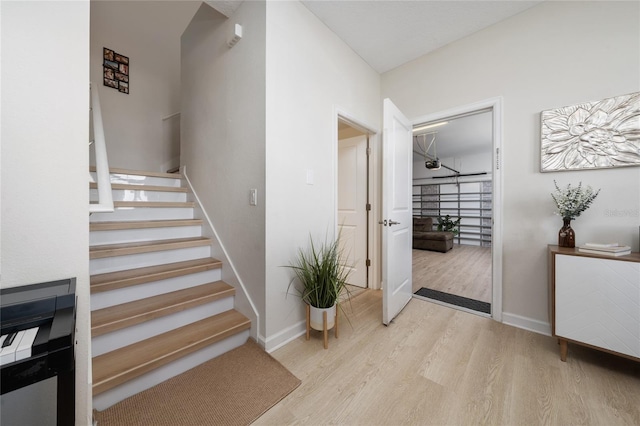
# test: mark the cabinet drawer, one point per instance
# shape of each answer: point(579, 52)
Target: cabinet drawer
point(597, 301)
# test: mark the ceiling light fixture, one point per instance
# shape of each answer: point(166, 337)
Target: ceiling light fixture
point(429, 126)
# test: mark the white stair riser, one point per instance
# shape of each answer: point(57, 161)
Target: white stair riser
point(141, 260)
point(139, 332)
point(140, 180)
point(141, 195)
point(154, 288)
point(143, 234)
point(136, 333)
point(143, 213)
point(159, 375)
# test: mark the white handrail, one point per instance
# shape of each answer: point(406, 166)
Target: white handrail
point(105, 198)
point(175, 114)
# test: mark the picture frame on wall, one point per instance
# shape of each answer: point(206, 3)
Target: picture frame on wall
point(110, 83)
point(123, 87)
point(116, 70)
point(591, 135)
point(108, 54)
point(121, 59)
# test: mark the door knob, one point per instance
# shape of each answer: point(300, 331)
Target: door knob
point(393, 222)
point(382, 222)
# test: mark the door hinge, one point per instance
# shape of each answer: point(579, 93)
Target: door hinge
point(497, 158)
point(368, 262)
point(368, 207)
point(368, 151)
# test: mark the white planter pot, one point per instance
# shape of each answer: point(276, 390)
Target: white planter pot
point(316, 320)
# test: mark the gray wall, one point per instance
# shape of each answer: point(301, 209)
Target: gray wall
point(138, 135)
point(223, 134)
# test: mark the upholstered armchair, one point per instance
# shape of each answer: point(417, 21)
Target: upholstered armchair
point(425, 238)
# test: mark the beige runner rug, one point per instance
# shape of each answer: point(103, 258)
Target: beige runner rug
point(234, 389)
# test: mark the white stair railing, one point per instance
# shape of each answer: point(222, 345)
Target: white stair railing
point(105, 197)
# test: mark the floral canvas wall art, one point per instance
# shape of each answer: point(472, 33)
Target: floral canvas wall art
point(592, 135)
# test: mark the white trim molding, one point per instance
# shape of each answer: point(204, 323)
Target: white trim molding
point(495, 104)
point(339, 113)
point(278, 340)
point(255, 325)
point(526, 323)
point(175, 114)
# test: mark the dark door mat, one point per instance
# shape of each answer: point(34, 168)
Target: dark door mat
point(452, 299)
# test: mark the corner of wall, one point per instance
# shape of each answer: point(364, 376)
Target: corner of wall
point(530, 324)
point(242, 301)
point(285, 336)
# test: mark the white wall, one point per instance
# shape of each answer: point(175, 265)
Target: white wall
point(45, 198)
point(223, 134)
point(310, 73)
point(555, 54)
point(148, 32)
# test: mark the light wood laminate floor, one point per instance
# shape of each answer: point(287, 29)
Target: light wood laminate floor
point(464, 271)
point(439, 366)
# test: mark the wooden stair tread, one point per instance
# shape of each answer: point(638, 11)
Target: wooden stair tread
point(117, 171)
point(116, 367)
point(139, 224)
point(127, 314)
point(176, 204)
point(110, 250)
point(130, 277)
point(133, 187)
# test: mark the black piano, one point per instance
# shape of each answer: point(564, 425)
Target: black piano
point(37, 343)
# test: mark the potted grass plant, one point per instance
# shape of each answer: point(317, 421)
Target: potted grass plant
point(322, 278)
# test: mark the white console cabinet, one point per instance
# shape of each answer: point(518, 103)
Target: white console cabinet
point(595, 301)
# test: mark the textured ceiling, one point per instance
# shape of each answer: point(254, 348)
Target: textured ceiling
point(226, 7)
point(389, 33)
point(472, 134)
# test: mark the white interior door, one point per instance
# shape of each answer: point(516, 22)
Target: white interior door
point(397, 226)
point(352, 212)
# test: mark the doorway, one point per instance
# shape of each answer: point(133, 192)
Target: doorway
point(457, 194)
point(353, 203)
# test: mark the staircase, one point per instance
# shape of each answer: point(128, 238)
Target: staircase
point(158, 305)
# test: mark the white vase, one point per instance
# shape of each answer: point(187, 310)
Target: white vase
point(316, 320)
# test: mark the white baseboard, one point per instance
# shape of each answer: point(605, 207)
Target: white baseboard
point(261, 340)
point(530, 324)
point(283, 337)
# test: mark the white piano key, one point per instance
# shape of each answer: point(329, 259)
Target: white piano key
point(24, 347)
point(2, 339)
point(8, 353)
